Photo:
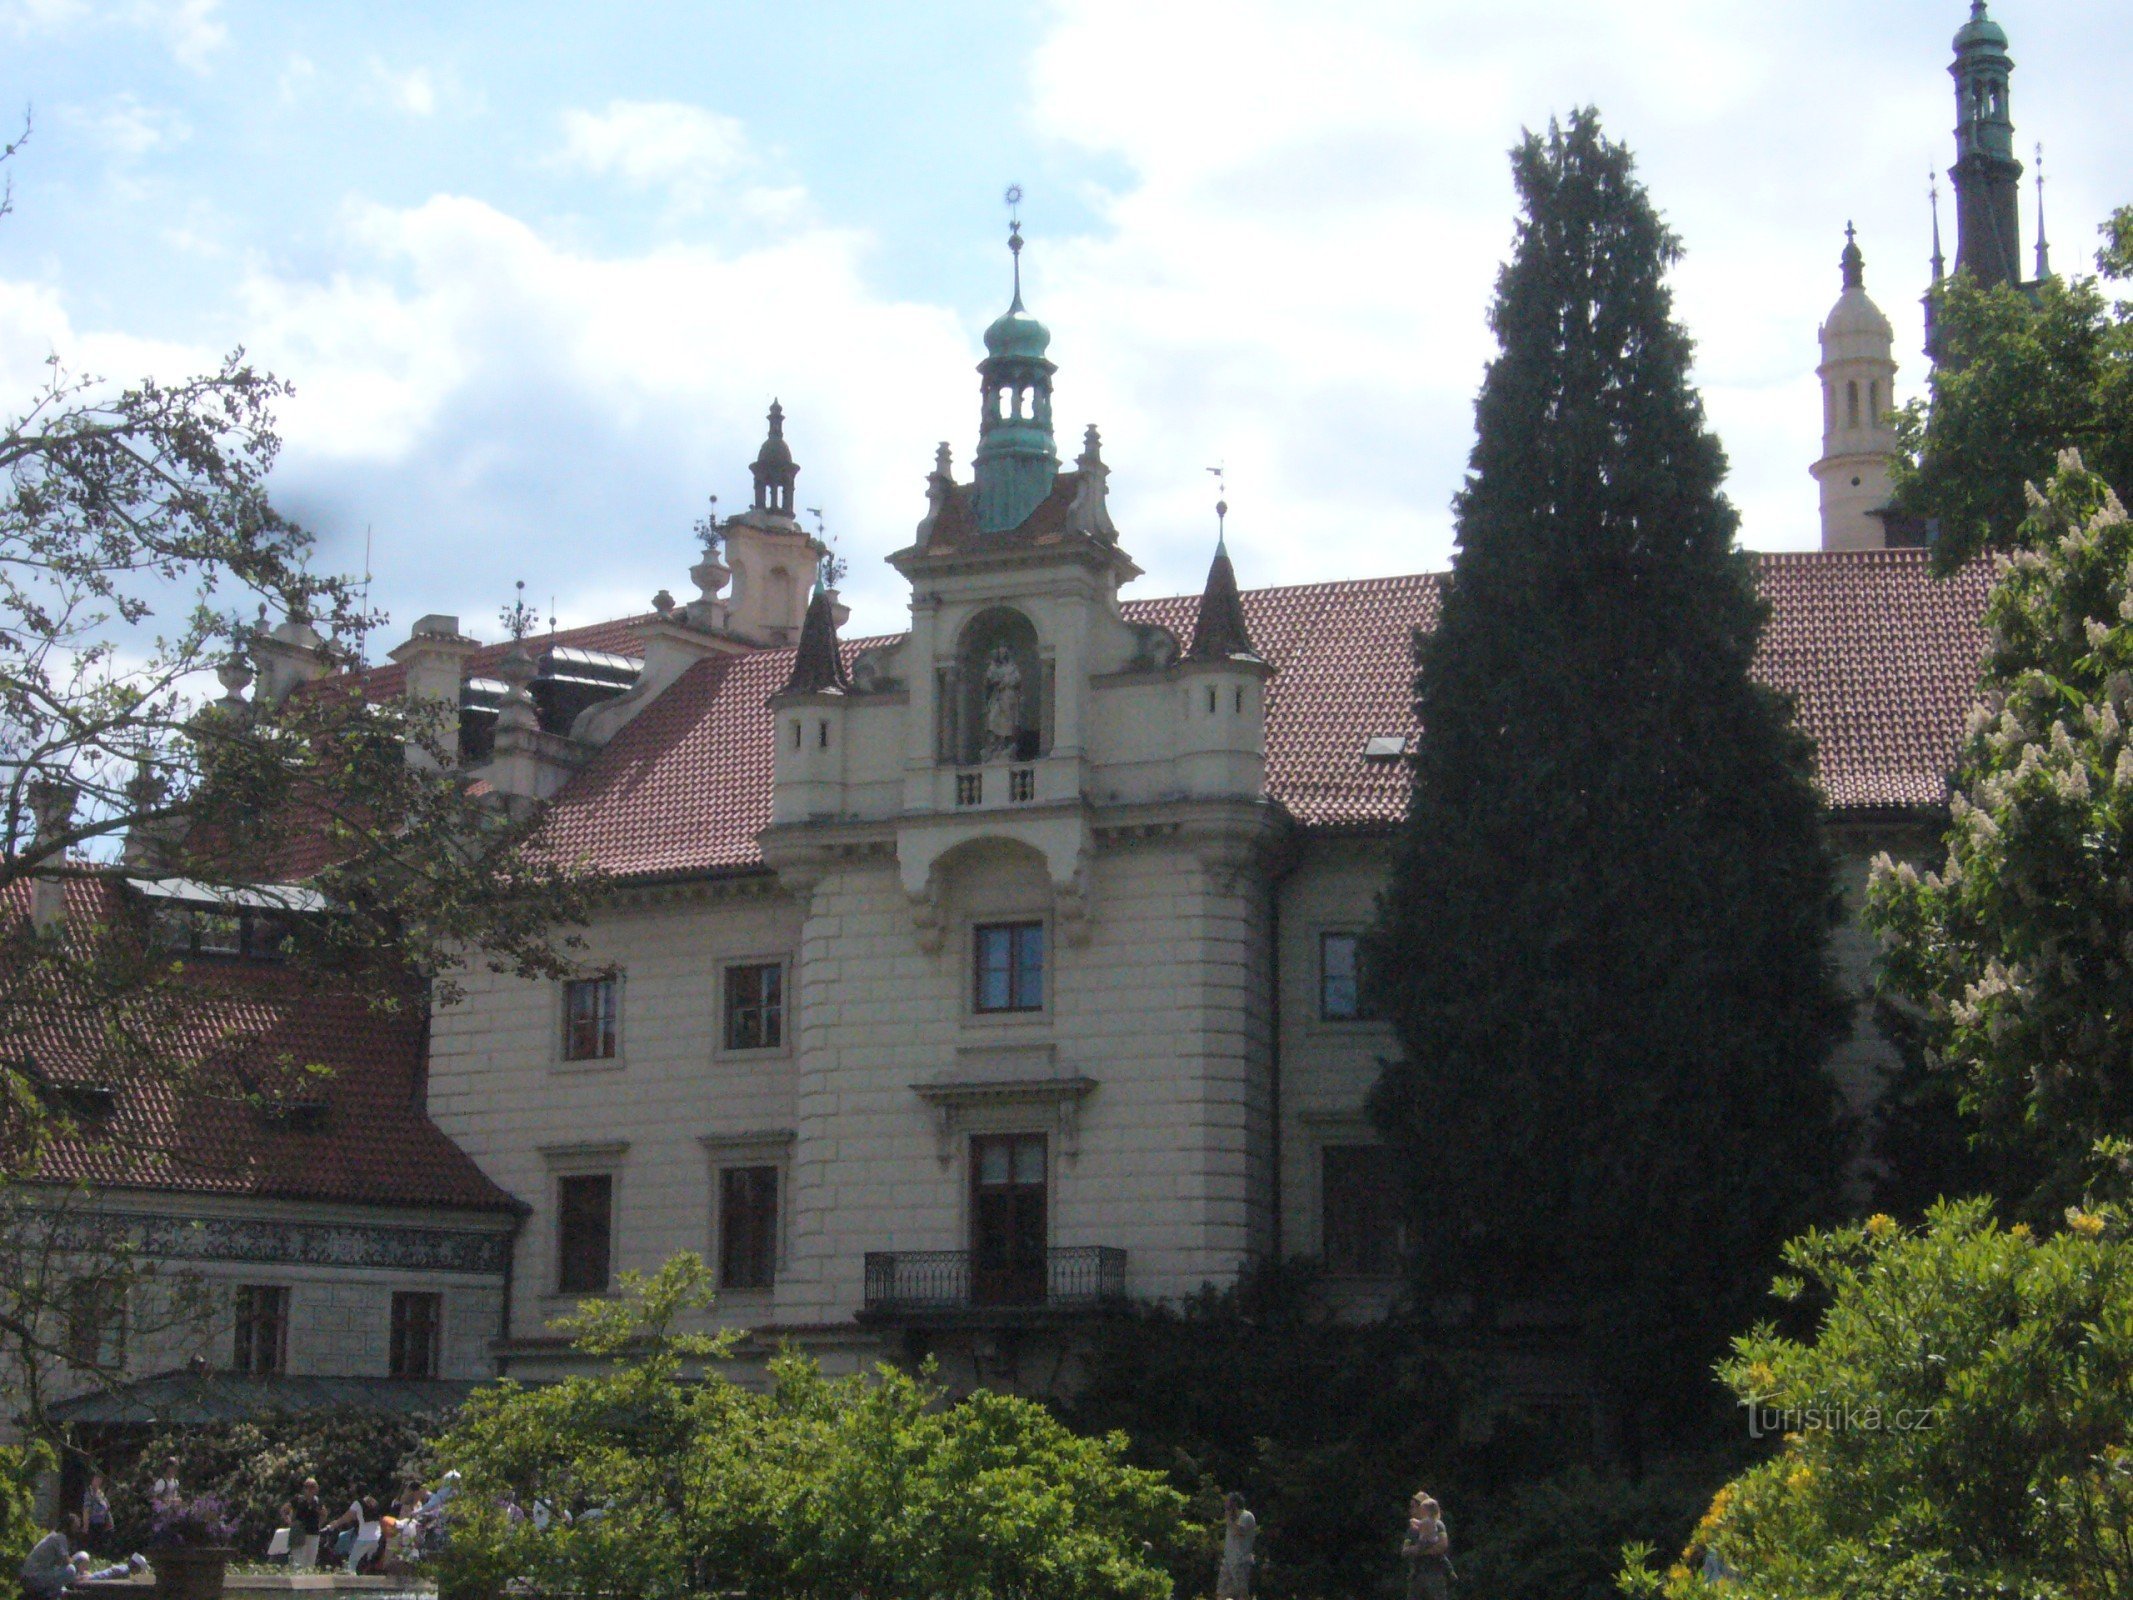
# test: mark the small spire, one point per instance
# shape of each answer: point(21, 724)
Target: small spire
point(2044, 249)
point(1940, 266)
point(818, 663)
point(1853, 262)
point(1014, 239)
point(1218, 630)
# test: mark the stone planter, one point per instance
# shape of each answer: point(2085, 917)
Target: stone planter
point(190, 1572)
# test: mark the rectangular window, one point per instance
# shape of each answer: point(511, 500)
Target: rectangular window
point(418, 1319)
point(1342, 996)
point(96, 1324)
point(755, 1006)
point(589, 1019)
point(1364, 1220)
point(585, 1206)
point(1009, 958)
point(262, 1330)
point(747, 1227)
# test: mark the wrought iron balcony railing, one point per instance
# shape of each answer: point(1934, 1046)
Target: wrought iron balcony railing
point(1073, 1278)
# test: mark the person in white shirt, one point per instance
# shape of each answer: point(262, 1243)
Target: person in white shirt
point(166, 1487)
point(1239, 1529)
point(370, 1532)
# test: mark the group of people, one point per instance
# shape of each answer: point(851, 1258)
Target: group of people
point(1425, 1551)
point(363, 1538)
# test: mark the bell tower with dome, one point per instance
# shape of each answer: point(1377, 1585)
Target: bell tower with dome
point(1858, 373)
point(1987, 228)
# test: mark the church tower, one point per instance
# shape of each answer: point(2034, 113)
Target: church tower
point(1858, 373)
point(1986, 173)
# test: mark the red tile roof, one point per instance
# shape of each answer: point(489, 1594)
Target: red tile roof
point(1881, 656)
point(254, 1026)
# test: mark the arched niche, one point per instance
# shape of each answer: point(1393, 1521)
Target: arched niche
point(995, 696)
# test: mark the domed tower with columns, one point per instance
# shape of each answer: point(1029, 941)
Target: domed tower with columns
point(1858, 373)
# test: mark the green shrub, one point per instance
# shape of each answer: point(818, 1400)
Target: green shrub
point(867, 1485)
point(1961, 1426)
point(21, 1466)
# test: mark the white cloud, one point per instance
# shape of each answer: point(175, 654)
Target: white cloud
point(192, 30)
point(685, 151)
point(413, 91)
point(127, 128)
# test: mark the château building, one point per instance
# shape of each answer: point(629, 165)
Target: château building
point(952, 985)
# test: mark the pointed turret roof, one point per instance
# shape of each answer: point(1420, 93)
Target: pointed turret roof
point(1218, 630)
point(818, 664)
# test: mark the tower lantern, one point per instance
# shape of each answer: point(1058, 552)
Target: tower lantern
point(1016, 458)
point(1986, 174)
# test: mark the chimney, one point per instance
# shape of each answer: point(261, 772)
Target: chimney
point(290, 656)
point(435, 657)
point(52, 804)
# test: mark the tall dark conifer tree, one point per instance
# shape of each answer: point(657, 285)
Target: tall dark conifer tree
point(1606, 941)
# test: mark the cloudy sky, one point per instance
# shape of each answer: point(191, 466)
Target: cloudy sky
point(536, 268)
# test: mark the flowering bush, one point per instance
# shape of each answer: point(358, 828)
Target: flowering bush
point(2019, 950)
point(1961, 1426)
point(192, 1520)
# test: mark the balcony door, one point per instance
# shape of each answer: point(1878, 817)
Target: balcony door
point(1008, 1231)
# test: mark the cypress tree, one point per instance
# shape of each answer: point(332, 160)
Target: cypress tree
point(1605, 941)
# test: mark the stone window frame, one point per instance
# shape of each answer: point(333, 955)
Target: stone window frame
point(590, 1160)
point(393, 1324)
point(285, 1294)
point(559, 1057)
point(761, 1147)
point(1011, 1016)
point(1335, 1130)
point(1315, 1019)
point(789, 1011)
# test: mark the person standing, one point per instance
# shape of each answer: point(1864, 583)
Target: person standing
point(166, 1487)
point(96, 1526)
point(1240, 1529)
point(1426, 1551)
point(305, 1515)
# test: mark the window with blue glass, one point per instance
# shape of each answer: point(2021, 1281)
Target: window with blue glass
point(1009, 966)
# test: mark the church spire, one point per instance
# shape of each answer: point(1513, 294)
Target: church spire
point(1016, 458)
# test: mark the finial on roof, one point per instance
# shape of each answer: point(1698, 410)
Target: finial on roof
point(519, 618)
point(1014, 239)
point(1853, 262)
point(1221, 476)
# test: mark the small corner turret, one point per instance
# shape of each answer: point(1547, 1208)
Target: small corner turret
point(1222, 749)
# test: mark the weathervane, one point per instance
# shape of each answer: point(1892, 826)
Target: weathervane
point(706, 531)
point(1221, 477)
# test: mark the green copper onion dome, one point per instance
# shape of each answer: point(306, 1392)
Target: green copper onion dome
point(1016, 333)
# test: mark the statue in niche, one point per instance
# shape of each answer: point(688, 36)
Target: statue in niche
point(1003, 705)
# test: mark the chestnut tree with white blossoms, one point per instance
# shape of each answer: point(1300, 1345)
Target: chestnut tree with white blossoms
point(2019, 949)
